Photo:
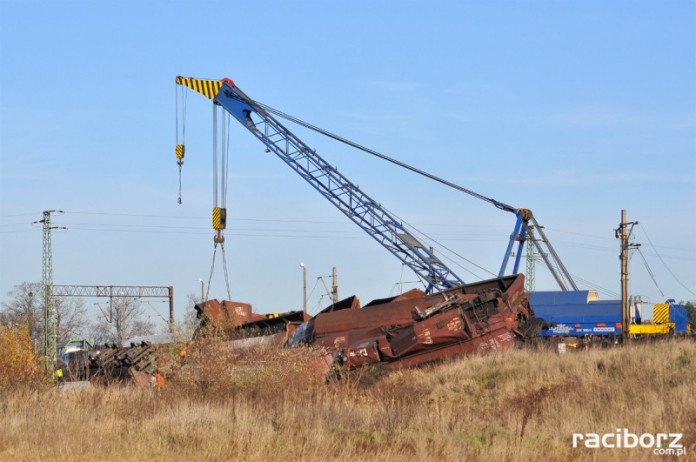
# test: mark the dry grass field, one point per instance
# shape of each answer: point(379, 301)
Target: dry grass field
point(517, 405)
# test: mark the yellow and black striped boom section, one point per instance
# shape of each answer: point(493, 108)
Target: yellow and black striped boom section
point(207, 88)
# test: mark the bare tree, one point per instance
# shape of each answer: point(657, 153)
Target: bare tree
point(124, 319)
point(70, 318)
point(191, 322)
point(26, 308)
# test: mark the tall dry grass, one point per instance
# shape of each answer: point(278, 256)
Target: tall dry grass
point(516, 405)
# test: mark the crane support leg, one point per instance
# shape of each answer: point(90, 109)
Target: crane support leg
point(519, 235)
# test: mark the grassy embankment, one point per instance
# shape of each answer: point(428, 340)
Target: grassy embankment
point(517, 405)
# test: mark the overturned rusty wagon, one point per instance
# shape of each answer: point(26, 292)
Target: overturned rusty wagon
point(415, 328)
point(237, 321)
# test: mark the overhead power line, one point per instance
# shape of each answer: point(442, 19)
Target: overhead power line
point(650, 272)
point(665, 264)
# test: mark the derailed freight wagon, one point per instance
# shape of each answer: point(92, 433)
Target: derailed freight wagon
point(415, 328)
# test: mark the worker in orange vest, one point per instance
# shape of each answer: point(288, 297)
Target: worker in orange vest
point(160, 380)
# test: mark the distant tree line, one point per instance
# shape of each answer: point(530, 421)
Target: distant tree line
point(123, 318)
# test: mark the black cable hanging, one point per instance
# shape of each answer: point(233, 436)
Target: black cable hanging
point(650, 272)
point(665, 264)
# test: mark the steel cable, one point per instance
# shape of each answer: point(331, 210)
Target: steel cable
point(496, 203)
point(212, 268)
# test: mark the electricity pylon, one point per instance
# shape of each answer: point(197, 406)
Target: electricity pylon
point(532, 257)
point(50, 345)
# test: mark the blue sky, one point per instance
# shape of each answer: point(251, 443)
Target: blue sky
point(575, 110)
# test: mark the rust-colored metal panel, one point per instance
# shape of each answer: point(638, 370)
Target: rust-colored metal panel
point(413, 293)
point(360, 354)
point(344, 338)
point(391, 314)
point(231, 316)
point(385, 348)
point(227, 314)
point(498, 339)
point(350, 303)
point(240, 312)
point(404, 341)
point(448, 327)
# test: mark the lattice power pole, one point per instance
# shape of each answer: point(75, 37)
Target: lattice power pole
point(120, 291)
point(50, 346)
point(532, 257)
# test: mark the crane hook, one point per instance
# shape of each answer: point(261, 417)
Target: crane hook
point(180, 151)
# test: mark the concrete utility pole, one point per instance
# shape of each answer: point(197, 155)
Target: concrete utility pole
point(623, 233)
point(334, 285)
point(304, 288)
point(50, 346)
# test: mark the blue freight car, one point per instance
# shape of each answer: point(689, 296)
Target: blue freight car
point(577, 314)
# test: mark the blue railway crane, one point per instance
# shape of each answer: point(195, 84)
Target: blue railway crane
point(360, 208)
